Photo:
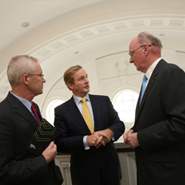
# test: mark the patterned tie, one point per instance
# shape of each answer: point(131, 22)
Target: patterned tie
point(87, 115)
point(143, 88)
point(35, 113)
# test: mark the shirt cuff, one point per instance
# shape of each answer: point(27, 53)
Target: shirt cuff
point(86, 146)
point(113, 139)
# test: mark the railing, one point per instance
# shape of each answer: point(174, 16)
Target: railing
point(127, 161)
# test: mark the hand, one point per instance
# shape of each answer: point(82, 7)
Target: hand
point(133, 140)
point(125, 136)
point(100, 142)
point(106, 134)
point(92, 139)
point(50, 152)
point(95, 140)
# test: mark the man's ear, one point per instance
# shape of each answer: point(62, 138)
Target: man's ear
point(146, 49)
point(25, 79)
point(70, 85)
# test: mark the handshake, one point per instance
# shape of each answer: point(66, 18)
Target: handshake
point(99, 138)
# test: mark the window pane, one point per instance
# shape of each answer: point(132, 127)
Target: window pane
point(125, 103)
point(50, 110)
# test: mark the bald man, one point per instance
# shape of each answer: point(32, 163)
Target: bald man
point(158, 135)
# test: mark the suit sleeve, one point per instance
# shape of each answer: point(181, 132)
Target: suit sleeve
point(171, 129)
point(17, 169)
point(71, 134)
point(116, 125)
point(69, 140)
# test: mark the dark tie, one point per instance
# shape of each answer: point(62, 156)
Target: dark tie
point(35, 113)
point(143, 88)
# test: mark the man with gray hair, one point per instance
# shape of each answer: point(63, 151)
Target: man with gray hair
point(158, 134)
point(18, 122)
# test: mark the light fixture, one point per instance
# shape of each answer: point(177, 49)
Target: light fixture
point(25, 24)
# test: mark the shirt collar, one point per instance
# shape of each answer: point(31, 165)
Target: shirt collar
point(25, 102)
point(151, 68)
point(77, 99)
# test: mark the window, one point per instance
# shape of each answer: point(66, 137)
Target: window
point(125, 103)
point(50, 110)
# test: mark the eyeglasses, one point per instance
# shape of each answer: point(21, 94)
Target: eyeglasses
point(32, 74)
point(132, 52)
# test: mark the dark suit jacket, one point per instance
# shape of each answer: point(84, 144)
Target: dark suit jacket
point(87, 166)
point(160, 123)
point(18, 165)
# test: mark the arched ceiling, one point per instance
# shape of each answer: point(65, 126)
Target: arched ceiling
point(61, 32)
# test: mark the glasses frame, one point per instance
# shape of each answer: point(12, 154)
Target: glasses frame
point(32, 74)
point(132, 52)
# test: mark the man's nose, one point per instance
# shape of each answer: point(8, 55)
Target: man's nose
point(44, 81)
point(86, 80)
point(131, 60)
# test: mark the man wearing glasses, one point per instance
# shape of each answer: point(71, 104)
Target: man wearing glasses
point(18, 122)
point(158, 135)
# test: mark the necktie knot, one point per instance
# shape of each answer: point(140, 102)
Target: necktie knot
point(145, 79)
point(83, 100)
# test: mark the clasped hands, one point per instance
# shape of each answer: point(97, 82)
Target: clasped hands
point(99, 138)
point(130, 138)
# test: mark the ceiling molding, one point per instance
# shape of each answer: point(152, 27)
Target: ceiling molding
point(106, 28)
point(61, 42)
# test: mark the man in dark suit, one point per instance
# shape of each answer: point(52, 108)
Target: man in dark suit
point(94, 160)
point(19, 166)
point(158, 134)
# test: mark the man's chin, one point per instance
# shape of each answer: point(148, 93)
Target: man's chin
point(39, 93)
point(87, 90)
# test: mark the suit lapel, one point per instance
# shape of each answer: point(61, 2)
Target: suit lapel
point(21, 110)
point(76, 114)
point(149, 86)
point(27, 115)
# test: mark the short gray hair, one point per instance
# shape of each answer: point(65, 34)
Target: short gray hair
point(148, 38)
point(18, 66)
